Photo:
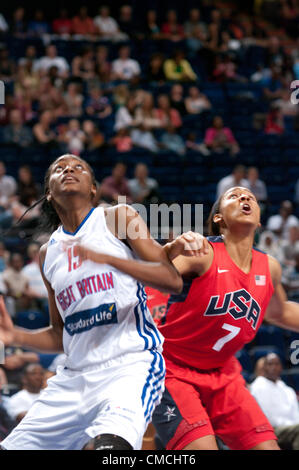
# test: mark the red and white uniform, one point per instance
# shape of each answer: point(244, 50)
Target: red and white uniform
point(204, 326)
point(217, 313)
point(156, 302)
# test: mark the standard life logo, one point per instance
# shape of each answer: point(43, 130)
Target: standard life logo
point(79, 322)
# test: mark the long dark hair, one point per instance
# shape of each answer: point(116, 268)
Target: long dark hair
point(49, 219)
point(213, 227)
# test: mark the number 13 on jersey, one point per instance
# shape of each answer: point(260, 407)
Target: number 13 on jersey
point(74, 261)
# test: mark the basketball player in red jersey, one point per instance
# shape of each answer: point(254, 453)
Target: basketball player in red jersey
point(226, 295)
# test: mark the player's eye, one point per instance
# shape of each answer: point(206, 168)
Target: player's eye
point(79, 167)
point(58, 169)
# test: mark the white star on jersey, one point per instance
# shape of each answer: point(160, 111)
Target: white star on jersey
point(170, 413)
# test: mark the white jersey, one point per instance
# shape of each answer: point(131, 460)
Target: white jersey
point(104, 310)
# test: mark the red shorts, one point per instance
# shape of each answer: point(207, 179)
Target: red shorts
point(200, 403)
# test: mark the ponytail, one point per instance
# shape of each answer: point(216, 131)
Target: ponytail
point(49, 219)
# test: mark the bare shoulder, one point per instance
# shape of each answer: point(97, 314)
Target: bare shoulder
point(275, 270)
point(120, 209)
point(119, 218)
point(42, 253)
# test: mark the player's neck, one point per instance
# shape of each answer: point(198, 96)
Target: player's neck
point(239, 249)
point(71, 219)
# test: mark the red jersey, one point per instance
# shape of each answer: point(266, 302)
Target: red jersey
point(156, 302)
point(218, 312)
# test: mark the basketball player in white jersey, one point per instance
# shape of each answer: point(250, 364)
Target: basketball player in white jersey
point(113, 376)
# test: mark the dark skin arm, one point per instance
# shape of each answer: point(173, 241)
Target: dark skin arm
point(281, 312)
point(154, 267)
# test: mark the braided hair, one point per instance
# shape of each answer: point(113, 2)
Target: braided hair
point(213, 227)
point(49, 219)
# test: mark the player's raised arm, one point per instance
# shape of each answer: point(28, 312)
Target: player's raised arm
point(153, 268)
point(281, 312)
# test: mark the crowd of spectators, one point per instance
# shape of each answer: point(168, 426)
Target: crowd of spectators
point(109, 78)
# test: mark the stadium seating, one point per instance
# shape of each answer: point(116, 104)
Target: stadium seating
point(31, 319)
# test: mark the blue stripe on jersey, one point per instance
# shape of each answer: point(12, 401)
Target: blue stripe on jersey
point(153, 384)
point(148, 322)
point(156, 387)
point(138, 324)
point(215, 239)
point(144, 327)
point(82, 223)
point(219, 239)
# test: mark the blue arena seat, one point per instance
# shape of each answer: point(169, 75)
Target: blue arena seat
point(31, 319)
point(244, 358)
point(193, 195)
point(46, 359)
point(256, 352)
point(270, 335)
point(278, 193)
point(291, 377)
point(170, 194)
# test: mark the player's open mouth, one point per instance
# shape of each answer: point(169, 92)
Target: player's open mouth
point(246, 209)
point(69, 179)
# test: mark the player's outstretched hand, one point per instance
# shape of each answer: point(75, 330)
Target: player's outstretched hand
point(188, 244)
point(6, 325)
point(85, 254)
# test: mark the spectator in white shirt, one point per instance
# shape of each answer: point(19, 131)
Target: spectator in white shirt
point(290, 246)
point(107, 26)
point(124, 117)
point(51, 59)
point(3, 24)
point(237, 178)
point(142, 187)
point(256, 185)
point(20, 403)
point(8, 187)
point(269, 243)
point(125, 68)
point(31, 270)
point(143, 138)
point(279, 403)
point(280, 223)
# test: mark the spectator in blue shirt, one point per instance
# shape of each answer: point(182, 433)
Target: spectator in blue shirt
point(39, 25)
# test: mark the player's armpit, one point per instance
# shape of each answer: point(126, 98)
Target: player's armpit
point(194, 266)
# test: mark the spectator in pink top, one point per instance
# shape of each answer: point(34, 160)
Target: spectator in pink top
point(274, 121)
point(171, 29)
point(83, 24)
point(116, 185)
point(219, 138)
point(122, 140)
point(62, 24)
point(166, 114)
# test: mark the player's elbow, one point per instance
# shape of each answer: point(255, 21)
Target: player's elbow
point(175, 283)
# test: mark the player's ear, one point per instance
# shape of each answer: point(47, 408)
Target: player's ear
point(93, 191)
point(49, 197)
point(217, 218)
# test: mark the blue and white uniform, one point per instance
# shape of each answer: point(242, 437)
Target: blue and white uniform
point(113, 376)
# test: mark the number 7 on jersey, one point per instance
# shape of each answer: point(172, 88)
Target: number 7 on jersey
point(233, 331)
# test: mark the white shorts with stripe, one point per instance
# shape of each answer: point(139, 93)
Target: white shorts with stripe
point(77, 406)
